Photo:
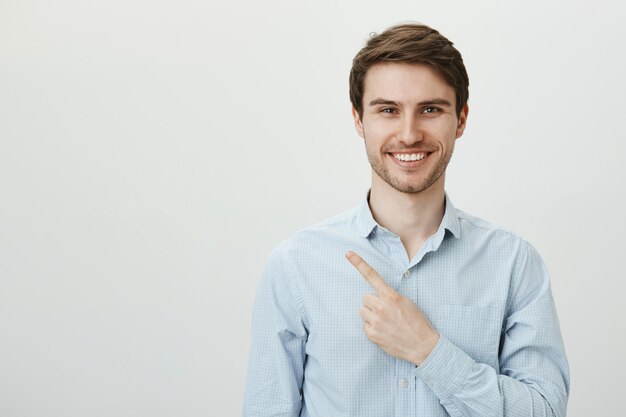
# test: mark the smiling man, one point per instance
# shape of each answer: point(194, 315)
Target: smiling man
point(405, 305)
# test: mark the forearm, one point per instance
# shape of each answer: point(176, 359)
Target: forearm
point(467, 388)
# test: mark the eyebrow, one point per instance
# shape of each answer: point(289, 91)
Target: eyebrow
point(434, 101)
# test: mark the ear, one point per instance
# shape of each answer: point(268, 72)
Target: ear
point(358, 124)
point(462, 121)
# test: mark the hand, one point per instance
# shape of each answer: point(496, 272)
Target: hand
point(392, 321)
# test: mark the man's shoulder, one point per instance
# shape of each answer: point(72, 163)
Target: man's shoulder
point(495, 243)
point(342, 221)
point(477, 226)
point(340, 227)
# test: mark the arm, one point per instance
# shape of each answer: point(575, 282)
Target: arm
point(533, 379)
point(534, 375)
point(276, 362)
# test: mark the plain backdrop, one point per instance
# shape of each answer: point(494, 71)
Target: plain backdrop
point(152, 153)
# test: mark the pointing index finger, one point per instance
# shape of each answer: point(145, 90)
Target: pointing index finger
point(369, 273)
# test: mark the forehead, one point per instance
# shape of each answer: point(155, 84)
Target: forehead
point(405, 82)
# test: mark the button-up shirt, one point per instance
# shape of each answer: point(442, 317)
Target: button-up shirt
point(484, 289)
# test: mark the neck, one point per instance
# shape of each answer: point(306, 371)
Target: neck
point(414, 217)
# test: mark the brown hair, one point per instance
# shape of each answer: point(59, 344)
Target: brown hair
point(414, 44)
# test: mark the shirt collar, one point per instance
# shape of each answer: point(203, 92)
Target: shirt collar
point(366, 223)
point(450, 219)
point(364, 220)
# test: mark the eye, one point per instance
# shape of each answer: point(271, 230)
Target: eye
point(390, 110)
point(431, 110)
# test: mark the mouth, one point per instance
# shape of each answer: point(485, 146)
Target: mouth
point(409, 159)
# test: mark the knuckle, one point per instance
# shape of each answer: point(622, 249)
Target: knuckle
point(370, 274)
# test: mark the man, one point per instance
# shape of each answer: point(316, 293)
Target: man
point(454, 316)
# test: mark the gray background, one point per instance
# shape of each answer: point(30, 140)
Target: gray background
point(152, 153)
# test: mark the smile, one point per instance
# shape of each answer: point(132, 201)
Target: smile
point(406, 157)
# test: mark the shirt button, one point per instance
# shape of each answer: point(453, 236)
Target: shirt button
point(404, 382)
point(407, 273)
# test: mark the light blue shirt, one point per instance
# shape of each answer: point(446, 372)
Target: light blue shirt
point(484, 289)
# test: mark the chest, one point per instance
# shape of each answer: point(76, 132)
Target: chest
point(464, 301)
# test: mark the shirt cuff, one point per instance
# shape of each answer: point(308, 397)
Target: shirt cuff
point(445, 369)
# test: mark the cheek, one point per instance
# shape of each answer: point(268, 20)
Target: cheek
point(442, 130)
point(379, 129)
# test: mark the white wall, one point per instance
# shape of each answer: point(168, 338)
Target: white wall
point(152, 153)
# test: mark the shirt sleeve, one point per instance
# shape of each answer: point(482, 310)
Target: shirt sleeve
point(533, 377)
point(277, 353)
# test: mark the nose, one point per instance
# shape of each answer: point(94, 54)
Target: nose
point(410, 130)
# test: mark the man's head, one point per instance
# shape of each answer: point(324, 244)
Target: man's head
point(409, 91)
point(410, 43)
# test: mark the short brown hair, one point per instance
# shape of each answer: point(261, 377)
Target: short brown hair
point(414, 44)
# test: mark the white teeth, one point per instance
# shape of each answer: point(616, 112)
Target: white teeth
point(409, 156)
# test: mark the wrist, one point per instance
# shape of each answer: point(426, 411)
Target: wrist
point(429, 346)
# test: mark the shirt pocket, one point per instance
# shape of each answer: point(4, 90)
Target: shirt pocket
point(474, 329)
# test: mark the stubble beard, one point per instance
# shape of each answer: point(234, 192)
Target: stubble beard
point(412, 187)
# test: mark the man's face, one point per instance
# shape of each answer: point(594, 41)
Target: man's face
point(409, 125)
